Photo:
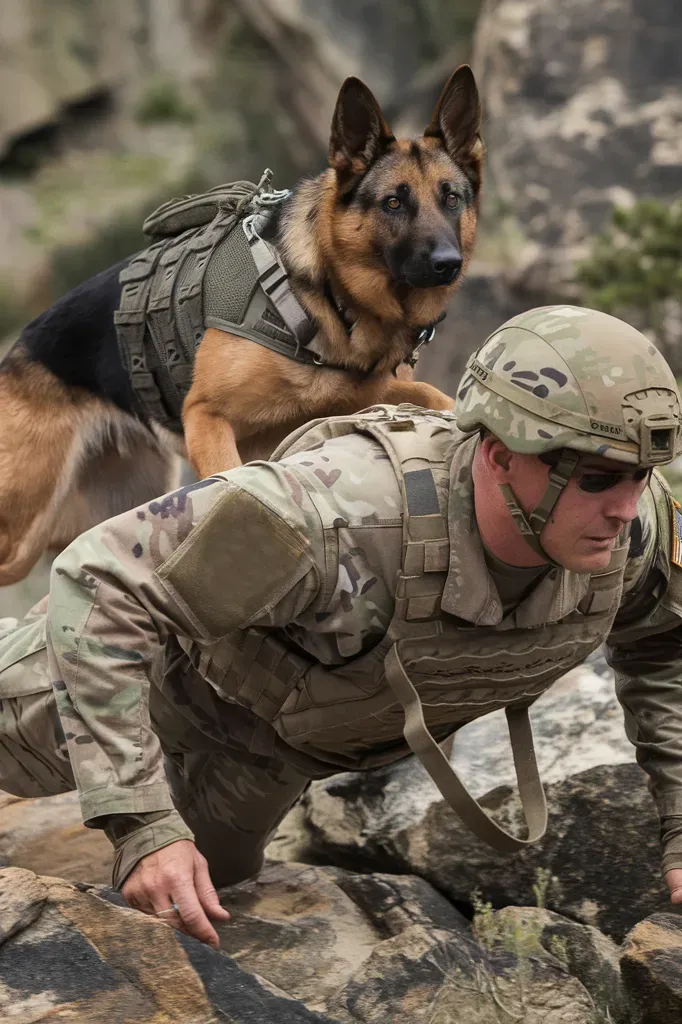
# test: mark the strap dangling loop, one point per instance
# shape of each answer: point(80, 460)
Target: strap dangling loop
point(423, 745)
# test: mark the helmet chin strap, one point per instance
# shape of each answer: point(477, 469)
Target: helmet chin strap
point(532, 526)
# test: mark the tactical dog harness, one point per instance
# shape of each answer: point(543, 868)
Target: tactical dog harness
point(210, 267)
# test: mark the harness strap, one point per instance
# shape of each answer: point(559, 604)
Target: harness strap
point(425, 748)
point(532, 526)
point(274, 281)
point(131, 320)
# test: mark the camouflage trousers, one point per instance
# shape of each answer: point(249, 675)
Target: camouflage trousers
point(231, 796)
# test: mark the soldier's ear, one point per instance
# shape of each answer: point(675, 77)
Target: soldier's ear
point(456, 118)
point(359, 133)
point(496, 456)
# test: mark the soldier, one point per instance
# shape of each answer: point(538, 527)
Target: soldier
point(388, 577)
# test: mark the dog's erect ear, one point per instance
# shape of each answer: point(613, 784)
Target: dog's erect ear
point(359, 132)
point(456, 117)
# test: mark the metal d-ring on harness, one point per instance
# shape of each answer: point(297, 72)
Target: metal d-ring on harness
point(425, 337)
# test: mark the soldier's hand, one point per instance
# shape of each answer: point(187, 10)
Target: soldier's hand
point(177, 874)
point(673, 880)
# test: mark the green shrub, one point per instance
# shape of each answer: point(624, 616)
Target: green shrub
point(636, 265)
point(162, 101)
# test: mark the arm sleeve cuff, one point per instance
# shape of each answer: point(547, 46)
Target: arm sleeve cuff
point(108, 800)
point(132, 847)
point(671, 839)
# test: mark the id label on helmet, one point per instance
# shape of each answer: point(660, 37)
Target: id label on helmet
point(676, 532)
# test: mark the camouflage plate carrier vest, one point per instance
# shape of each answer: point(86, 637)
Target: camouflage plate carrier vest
point(208, 268)
point(432, 671)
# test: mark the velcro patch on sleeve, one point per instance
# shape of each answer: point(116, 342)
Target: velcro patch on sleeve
point(675, 532)
point(238, 562)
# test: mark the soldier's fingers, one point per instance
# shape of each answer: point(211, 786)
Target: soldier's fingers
point(137, 899)
point(167, 912)
point(193, 919)
point(208, 897)
point(674, 881)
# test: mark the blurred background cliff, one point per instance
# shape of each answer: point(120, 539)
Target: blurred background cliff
point(108, 109)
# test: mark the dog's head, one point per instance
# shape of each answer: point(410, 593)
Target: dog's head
point(405, 208)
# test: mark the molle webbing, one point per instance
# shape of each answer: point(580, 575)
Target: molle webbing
point(160, 320)
point(209, 267)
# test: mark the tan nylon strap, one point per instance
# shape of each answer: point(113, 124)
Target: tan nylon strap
point(559, 476)
point(532, 526)
point(453, 790)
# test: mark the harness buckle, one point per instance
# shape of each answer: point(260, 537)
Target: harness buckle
point(426, 335)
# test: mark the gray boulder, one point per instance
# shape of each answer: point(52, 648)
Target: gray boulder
point(583, 108)
point(600, 856)
point(652, 969)
point(587, 953)
point(68, 954)
point(377, 948)
point(306, 945)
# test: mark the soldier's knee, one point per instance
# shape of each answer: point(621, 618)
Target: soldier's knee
point(17, 782)
point(33, 757)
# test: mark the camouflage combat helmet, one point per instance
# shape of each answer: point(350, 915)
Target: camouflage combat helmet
point(569, 379)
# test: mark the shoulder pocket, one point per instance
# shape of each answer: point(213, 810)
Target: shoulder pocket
point(236, 564)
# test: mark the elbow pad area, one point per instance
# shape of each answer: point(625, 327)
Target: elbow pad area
point(235, 565)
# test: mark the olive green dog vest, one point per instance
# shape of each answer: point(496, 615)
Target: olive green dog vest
point(209, 267)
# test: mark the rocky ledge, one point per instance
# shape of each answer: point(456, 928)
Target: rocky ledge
point(376, 905)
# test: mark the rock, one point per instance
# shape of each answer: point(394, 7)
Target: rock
point(652, 969)
point(601, 851)
point(297, 929)
point(47, 835)
point(423, 975)
point(574, 122)
point(306, 946)
point(22, 898)
point(377, 948)
point(588, 955)
point(68, 953)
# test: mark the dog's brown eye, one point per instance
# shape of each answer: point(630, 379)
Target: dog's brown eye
point(393, 203)
point(452, 200)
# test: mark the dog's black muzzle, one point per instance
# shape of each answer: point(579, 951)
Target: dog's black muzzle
point(440, 266)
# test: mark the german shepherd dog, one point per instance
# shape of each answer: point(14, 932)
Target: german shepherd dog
point(380, 240)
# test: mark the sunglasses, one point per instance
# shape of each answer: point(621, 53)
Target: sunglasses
point(594, 481)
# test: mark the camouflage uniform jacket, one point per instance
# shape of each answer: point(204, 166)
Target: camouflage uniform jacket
point(114, 623)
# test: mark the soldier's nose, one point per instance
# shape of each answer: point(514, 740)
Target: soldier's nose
point(622, 503)
point(446, 263)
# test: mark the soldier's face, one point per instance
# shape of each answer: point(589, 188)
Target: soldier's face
point(599, 500)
